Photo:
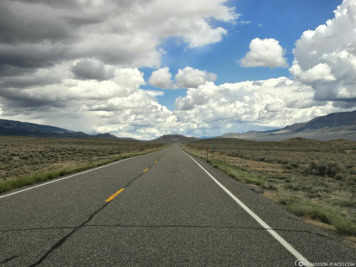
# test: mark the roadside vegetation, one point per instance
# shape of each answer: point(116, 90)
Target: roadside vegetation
point(312, 179)
point(25, 160)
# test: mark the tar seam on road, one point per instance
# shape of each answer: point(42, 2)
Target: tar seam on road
point(165, 226)
point(207, 227)
point(64, 178)
point(280, 239)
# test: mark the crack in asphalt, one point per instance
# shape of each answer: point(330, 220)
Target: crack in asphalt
point(37, 229)
point(8, 259)
point(169, 226)
point(210, 227)
point(75, 229)
point(64, 238)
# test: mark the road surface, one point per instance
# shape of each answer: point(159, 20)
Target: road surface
point(165, 208)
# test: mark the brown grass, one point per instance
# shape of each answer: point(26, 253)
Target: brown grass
point(26, 160)
point(316, 180)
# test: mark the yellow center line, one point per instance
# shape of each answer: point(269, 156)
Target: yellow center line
point(156, 161)
point(145, 170)
point(115, 195)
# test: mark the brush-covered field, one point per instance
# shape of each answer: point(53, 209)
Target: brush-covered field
point(27, 160)
point(316, 180)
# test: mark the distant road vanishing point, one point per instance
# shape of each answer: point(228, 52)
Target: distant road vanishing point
point(166, 208)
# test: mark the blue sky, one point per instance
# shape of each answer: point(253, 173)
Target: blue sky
point(284, 20)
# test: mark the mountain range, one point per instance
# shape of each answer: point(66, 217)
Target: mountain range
point(341, 125)
point(18, 128)
point(175, 138)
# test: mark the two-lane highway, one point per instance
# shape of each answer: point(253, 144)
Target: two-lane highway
point(161, 209)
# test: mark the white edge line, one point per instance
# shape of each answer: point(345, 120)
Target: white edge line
point(64, 178)
point(280, 239)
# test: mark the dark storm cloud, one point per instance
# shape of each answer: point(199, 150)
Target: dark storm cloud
point(20, 99)
point(75, 4)
point(54, 3)
point(28, 80)
point(30, 23)
point(7, 70)
point(41, 33)
point(345, 104)
point(79, 20)
point(32, 55)
point(90, 69)
point(37, 36)
point(27, 107)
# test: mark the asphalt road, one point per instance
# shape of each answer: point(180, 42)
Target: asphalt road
point(159, 209)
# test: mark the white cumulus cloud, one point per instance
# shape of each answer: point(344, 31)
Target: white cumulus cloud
point(192, 78)
point(117, 105)
point(272, 103)
point(325, 58)
point(161, 78)
point(265, 53)
point(185, 78)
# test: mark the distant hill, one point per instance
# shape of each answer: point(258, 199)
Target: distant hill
point(8, 127)
point(18, 128)
point(333, 120)
point(206, 137)
point(105, 136)
point(175, 138)
point(341, 125)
